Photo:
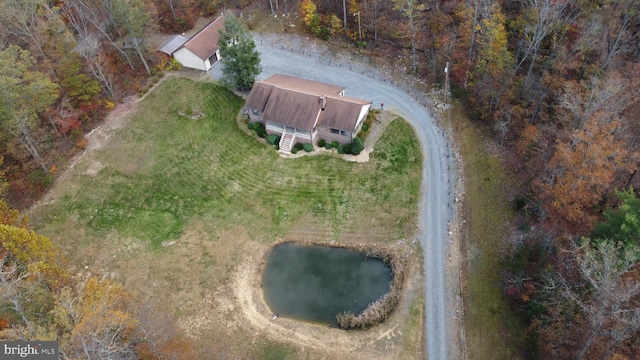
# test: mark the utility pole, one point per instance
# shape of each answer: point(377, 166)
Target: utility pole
point(446, 82)
point(359, 27)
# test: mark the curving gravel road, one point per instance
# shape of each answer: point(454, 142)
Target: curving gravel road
point(297, 56)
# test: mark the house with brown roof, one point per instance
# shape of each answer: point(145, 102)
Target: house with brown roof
point(200, 51)
point(301, 110)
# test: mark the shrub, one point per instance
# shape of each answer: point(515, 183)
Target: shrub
point(40, 178)
point(322, 142)
point(307, 147)
point(346, 148)
point(262, 132)
point(180, 25)
point(271, 138)
point(298, 146)
point(250, 125)
point(335, 144)
point(173, 65)
point(328, 146)
point(341, 149)
point(357, 146)
point(294, 151)
point(82, 143)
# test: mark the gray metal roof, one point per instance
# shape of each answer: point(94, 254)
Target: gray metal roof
point(173, 44)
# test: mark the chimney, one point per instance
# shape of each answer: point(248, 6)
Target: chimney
point(323, 100)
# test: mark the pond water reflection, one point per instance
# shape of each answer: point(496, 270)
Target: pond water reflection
point(316, 283)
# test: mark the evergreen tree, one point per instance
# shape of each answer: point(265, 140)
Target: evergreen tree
point(240, 59)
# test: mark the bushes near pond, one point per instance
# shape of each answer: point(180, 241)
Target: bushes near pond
point(381, 309)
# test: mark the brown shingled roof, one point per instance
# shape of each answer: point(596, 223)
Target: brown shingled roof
point(205, 42)
point(297, 102)
point(259, 96)
point(342, 112)
point(293, 108)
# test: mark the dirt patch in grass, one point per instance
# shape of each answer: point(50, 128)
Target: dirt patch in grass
point(181, 212)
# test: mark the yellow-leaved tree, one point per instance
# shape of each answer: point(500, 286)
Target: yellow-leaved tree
point(309, 11)
point(90, 317)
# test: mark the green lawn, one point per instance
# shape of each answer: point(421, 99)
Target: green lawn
point(164, 169)
point(217, 190)
point(493, 333)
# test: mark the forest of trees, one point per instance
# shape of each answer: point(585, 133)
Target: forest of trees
point(556, 83)
point(63, 65)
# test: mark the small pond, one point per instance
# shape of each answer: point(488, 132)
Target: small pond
point(316, 283)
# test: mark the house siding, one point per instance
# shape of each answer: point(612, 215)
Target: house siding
point(326, 134)
point(190, 60)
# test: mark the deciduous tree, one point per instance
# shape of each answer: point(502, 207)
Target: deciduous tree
point(24, 93)
point(410, 9)
point(27, 20)
point(493, 71)
point(580, 172)
point(134, 16)
point(605, 293)
point(308, 10)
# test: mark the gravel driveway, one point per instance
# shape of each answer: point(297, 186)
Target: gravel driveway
point(299, 56)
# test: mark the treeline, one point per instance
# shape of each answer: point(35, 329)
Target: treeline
point(63, 65)
point(90, 316)
point(557, 83)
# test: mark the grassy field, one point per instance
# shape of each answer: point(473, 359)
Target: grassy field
point(492, 332)
point(215, 192)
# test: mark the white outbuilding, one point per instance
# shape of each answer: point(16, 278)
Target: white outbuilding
point(200, 51)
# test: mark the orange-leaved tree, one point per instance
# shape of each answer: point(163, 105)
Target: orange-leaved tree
point(582, 170)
